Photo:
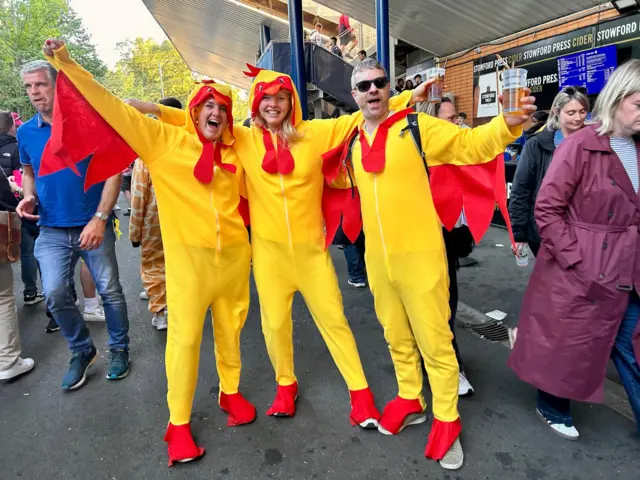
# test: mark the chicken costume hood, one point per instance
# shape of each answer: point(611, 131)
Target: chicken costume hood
point(278, 158)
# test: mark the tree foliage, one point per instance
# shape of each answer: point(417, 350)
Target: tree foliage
point(150, 71)
point(24, 26)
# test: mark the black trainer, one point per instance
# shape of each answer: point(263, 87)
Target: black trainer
point(33, 299)
point(52, 326)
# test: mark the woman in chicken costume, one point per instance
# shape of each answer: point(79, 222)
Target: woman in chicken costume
point(280, 154)
point(197, 178)
point(411, 181)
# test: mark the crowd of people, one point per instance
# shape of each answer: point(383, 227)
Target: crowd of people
point(296, 184)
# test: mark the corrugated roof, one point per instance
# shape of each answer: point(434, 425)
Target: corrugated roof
point(217, 37)
point(444, 27)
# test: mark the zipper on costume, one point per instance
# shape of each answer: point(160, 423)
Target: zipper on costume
point(375, 194)
point(215, 211)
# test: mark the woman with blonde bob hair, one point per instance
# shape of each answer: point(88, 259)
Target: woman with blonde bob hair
point(567, 116)
point(582, 306)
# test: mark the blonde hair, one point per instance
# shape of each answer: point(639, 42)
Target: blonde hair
point(561, 101)
point(625, 81)
point(287, 130)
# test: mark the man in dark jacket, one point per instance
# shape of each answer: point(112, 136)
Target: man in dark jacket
point(9, 158)
point(533, 164)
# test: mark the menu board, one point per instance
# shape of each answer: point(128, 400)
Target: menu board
point(589, 69)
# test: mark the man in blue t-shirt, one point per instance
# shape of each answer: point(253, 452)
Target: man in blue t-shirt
point(73, 224)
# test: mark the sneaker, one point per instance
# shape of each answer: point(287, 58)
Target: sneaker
point(159, 320)
point(22, 366)
point(127, 213)
point(565, 431)
point(143, 295)
point(464, 387)
point(96, 315)
point(75, 299)
point(52, 326)
point(33, 299)
point(356, 284)
point(76, 377)
point(454, 458)
point(118, 363)
point(117, 207)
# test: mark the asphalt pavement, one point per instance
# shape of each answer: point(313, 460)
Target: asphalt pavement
point(113, 430)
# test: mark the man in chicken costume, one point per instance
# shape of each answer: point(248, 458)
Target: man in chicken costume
point(197, 179)
point(281, 157)
point(405, 253)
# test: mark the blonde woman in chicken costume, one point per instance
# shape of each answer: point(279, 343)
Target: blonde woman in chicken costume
point(205, 240)
point(280, 154)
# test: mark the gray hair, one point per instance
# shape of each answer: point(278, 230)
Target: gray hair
point(625, 81)
point(38, 66)
point(561, 101)
point(366, 64)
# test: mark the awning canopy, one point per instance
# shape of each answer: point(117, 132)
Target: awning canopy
point(443, 27)
point(218, 37)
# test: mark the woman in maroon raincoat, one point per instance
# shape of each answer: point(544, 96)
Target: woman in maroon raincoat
point(582, 304)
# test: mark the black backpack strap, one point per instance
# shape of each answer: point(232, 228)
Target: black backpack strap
point(414, 127)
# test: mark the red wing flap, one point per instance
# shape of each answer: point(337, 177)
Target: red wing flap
point(333, 160)
point(476, 188)
point(341, 205)
point(243, 209)
point(79, 131)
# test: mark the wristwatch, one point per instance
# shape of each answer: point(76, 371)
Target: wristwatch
point(102, 216)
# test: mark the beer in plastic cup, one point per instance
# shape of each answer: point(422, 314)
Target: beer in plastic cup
point(522, 256)
point(437, 87)
point(514, 81)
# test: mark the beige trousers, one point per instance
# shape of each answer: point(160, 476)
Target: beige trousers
point(9, 333)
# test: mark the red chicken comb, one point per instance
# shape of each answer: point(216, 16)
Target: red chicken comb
point(253, 71)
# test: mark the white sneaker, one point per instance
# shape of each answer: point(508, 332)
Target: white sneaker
point(117, 207)
point(560, 429)
point(22, 366)
point(454, 458)
point(143, 295)
point(357, 284)
point(159, 321)
point(96, 315)
point(464, 387)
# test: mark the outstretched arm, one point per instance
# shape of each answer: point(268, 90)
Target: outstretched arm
point(148, 138)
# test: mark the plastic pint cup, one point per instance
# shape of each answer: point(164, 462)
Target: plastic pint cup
point(514, 81)
point(522, 256)
point(437, 87)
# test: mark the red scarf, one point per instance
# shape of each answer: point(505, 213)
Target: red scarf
point(276, 162)
point(373, 158)
point(210, 157)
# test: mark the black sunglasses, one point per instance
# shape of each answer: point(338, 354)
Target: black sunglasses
point(573, 90)
point(365, 85)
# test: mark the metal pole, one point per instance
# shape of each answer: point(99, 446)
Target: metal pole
point(382, 33)
point(296, 36)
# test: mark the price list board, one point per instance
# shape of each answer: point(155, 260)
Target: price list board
point(589, 69)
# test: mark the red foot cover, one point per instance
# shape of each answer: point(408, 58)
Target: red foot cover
point(396, 411)
point(77, 132)
point(363, 406)
point(285, 402)
point(441, 437)
point(181, 445)
point(239, 409)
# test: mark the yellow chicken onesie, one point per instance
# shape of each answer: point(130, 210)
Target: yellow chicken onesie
point(197, 184)
point(405, 254)
point(285, 189)
point(144, 231)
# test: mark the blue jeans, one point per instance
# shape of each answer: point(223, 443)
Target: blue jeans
point(558, 409)
point(28, 263)
point(354, 255)
point(58, 250)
